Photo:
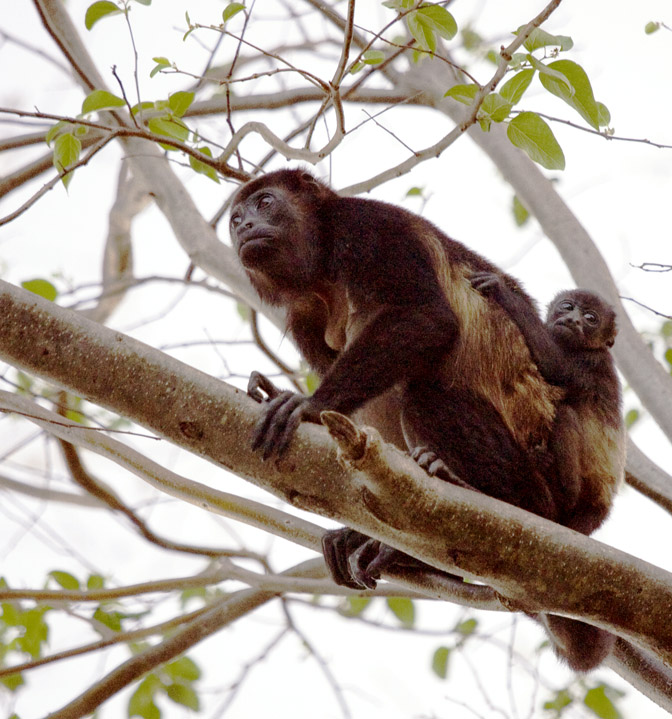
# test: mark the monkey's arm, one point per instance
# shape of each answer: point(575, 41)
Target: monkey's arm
point(548, 357)
point(397, 343)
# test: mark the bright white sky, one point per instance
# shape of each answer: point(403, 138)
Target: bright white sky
point(620, 191)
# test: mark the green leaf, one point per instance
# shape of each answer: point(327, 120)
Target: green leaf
point(439, 19)
point(540, 38)
point(547, 71)
point(440, 662)
point(45, 289)
point(201, 167)
point(55, 130)
point(243, 311)
point(402, 609)
point(399, 5)
point(512, 90)
point(561, 700)
point(12, 681)
point(531, 134)
point(146, 105)
point(141, 702)
point(467, 627)
point(112, 620)
point(600, 701)
point(633, 415)
point(232, 9)
point(184, 668)
point(179, 102)
point(67, 148)
point(312, 382)
point(495, 108)
point(518, 59)
point(581, 98)
point(520, 213)
point(36, 631)
point(492, 57)
point(95, 581)
point(161, 64)
point(470, 39)
point(603, 115)
point(144, 2)
point(373, 57)
point(169, 127)
point(427, 22)
point(11, 614)
point(356, 605)
point(421, 32)
point(24, 382)
point(463, 93)
point(99, 99)
point(651, 27)
point(98, 11)
point(184, 695)
point(65, 579)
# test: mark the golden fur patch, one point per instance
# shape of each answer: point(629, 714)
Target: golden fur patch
point(492, 358)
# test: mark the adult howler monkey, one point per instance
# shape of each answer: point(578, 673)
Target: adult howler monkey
point(380, 303)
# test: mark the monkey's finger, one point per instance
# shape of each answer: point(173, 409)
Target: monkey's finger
point(289, 429)
point(259, 382)
point(334, 548)
point(266, 431)
point(360, 562)
point(278, 427)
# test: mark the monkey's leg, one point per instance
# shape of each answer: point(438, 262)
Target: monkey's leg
point(466, 439)
point(565, 445)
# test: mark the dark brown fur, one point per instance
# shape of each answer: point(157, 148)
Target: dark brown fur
point(380, 303)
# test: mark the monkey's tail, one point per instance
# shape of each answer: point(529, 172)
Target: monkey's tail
point(581, 645)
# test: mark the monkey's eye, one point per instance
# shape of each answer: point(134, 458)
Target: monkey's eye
point(566, 306)
point(265, 201)
point(591, 317)
point(236, 220)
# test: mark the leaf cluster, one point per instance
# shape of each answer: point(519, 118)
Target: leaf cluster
point(564, 79)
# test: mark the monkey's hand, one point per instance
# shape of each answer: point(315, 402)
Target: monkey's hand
point(436, 467)
point(356, 561)
point(259, 383)
point(487, 283)
point(338, 546)
point(284, 413)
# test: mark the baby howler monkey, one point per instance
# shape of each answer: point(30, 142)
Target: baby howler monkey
point(587, 438)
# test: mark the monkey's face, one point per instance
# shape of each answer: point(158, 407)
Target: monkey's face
point(581, 320)
point(273, 239)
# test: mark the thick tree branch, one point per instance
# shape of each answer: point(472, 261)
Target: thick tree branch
point(534, 563)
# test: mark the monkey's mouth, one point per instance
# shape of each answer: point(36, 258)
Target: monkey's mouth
point(253, 249)
point(567, 327)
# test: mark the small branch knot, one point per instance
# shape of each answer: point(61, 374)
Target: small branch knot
point(351, 439)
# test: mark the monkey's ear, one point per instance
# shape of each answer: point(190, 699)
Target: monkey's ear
point(613, 336)
point(307, 178)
